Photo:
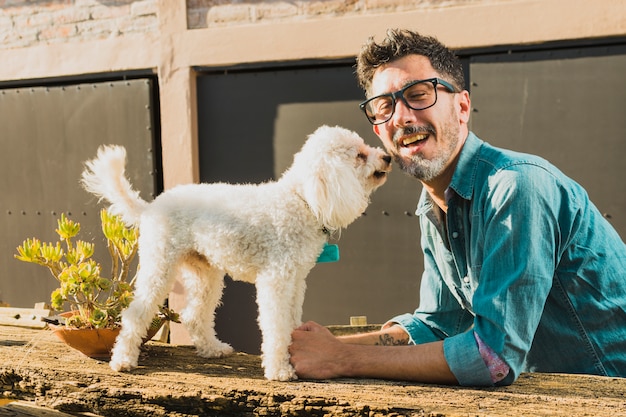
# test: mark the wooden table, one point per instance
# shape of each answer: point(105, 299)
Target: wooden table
point(174, 381)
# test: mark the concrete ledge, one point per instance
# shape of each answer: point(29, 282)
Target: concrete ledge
point(174, 381)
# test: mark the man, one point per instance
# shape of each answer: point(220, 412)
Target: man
point(521, 272)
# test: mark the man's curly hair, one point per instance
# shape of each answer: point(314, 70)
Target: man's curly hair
point(400, 43)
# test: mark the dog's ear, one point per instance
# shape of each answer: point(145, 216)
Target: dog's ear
point(332, 186)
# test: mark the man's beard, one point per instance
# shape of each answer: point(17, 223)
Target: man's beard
point(427, 169)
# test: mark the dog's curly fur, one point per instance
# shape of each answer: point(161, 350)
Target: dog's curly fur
point(269, 234)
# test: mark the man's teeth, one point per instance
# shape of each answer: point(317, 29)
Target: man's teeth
point(414, 139)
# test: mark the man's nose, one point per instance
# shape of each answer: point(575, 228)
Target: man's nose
point(403, 114)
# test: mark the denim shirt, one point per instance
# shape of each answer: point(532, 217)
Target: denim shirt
point(525, 260)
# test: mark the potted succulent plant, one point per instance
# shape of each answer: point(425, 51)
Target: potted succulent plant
point(95, 303)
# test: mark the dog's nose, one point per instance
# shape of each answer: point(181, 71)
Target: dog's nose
point(387, 158)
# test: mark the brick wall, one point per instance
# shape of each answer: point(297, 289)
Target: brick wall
point(26, 23)
point(220, 13)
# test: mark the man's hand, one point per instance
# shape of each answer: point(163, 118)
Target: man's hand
point(315, 352)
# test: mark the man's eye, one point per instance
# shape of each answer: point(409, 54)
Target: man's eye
point(416, 96)
point(382, 106)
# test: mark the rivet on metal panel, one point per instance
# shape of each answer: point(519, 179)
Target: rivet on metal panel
point(408, 213)
point(364, 213)
point(38, 213)
point(385, 213)
point(9, 212)
point(23, 212)
point(54, 213)
point(607, 216)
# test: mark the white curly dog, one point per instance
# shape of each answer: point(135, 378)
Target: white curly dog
point(270, 234)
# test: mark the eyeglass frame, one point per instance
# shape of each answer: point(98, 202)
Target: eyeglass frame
point(400, 94)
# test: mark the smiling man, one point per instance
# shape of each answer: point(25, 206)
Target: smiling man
point(521, 271)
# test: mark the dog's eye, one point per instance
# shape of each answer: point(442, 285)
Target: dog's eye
point(362, 156)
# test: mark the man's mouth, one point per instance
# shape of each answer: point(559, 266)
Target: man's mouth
point(413, 139)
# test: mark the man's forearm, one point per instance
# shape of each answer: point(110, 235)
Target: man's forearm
point(317, 354)
point(390, 336)
point(423, 363)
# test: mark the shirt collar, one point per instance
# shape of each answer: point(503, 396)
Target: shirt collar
point(465, 172)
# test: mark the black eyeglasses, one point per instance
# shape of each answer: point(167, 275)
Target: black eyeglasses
point(418, 95)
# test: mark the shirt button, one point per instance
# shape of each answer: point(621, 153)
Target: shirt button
point(455, 235)
point(466, 280)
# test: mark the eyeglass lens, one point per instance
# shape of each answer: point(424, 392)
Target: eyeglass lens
point(418, 96)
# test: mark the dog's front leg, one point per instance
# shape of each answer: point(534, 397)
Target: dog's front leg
point(280, 301)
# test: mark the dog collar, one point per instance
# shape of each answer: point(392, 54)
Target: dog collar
point(330, 253)
point(324, 229)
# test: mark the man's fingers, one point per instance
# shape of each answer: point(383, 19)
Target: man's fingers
point(308, 326)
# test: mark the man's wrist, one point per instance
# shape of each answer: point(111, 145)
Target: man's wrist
point(393, 335)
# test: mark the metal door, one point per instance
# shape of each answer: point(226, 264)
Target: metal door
point(567, 106)
point(46, 134)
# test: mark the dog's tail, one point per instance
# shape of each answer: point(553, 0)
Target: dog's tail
point(105, 177)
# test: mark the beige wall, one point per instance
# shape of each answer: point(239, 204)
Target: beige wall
point(59, 38)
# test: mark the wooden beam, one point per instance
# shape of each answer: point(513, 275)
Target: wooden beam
point(24, 317)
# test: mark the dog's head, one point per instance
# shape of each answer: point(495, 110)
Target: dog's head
point(338, 172)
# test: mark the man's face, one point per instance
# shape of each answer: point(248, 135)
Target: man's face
point(423, 142)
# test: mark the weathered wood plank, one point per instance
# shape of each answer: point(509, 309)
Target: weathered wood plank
point(28, 409)
point(24, 317)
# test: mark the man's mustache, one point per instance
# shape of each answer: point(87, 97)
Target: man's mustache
point(411, 130)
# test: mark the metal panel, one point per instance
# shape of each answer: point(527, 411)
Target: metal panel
point(250, 125)
point(567, 106)
point(46, 134)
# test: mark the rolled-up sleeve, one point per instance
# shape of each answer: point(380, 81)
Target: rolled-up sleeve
point(465, 362)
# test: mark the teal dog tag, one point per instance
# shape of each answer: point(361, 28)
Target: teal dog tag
point(330, 253)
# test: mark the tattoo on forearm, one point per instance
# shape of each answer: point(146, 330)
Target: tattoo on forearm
point(388, 340)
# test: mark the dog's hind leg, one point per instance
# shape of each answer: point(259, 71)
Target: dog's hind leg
point(203, 286)
point(279, 299)
point(154, 280)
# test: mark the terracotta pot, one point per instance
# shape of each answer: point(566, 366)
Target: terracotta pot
point(95, 343)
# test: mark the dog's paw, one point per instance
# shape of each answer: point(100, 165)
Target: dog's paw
point(215, 350)
point(121, 365)
point(283, 374)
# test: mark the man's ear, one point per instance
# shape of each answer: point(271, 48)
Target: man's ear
point(465, 105)
point(376, 130)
